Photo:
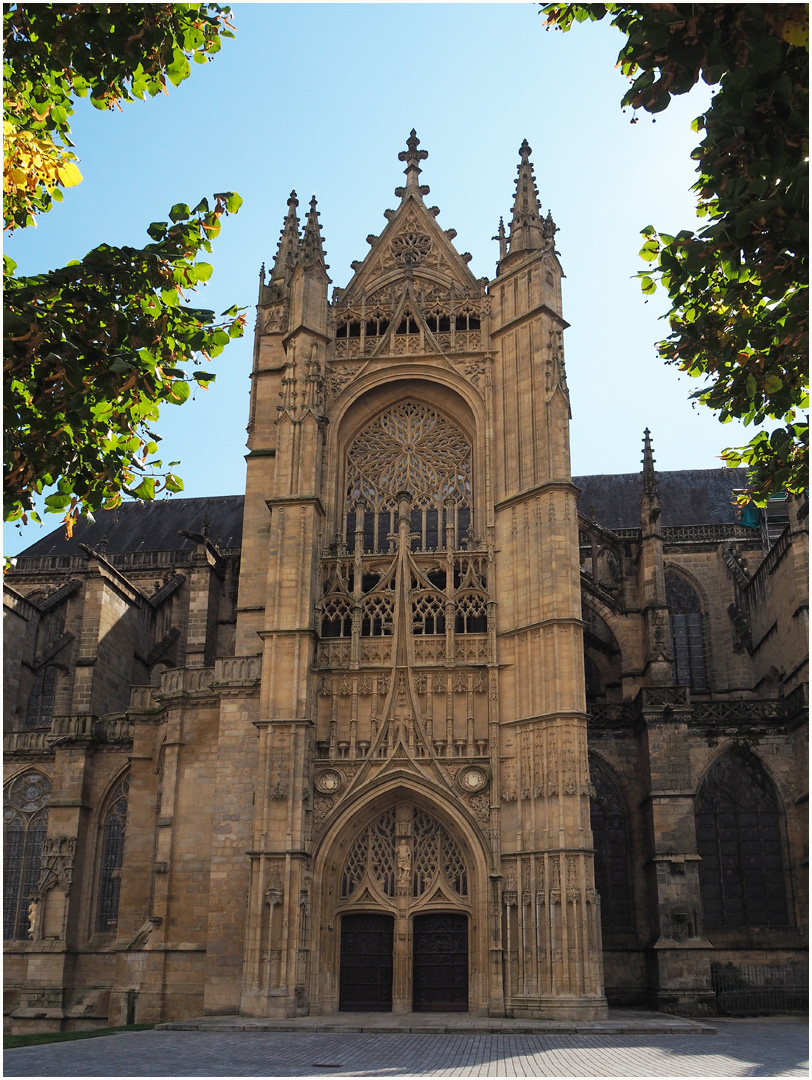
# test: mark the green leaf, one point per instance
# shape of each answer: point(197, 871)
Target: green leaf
point(179, 212)
point(145, 490)
point(178, 392)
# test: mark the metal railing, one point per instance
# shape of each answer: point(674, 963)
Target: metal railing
point(756, 989)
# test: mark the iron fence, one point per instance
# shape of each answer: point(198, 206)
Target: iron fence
point(756, 989)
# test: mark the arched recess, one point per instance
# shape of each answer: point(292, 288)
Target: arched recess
point(741, 840)
point(602, 657)
point(403, 852)
point(612, 839)
point(368, 397)
point(111, 836)
point(689, 640)
point(25, 825)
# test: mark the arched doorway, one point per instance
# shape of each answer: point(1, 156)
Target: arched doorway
point(402, 934)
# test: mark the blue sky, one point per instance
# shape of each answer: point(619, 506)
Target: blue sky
point(321, 98)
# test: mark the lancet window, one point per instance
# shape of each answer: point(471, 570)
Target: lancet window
point(25, 826)
point(42, 698)
point(410, 447)
point(738, 834)
point(112, 858)
point(687, 633)
point(613, 855)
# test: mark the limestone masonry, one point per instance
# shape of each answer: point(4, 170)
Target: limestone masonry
point(420, 722)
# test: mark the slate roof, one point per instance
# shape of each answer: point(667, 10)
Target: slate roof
point(150, 527)
point(689, 497)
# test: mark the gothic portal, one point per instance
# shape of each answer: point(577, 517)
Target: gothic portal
point(423, 417)
point(403, 728)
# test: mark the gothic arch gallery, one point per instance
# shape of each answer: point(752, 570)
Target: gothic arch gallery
point(418, 723)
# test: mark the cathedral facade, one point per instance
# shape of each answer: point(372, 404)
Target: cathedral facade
point(418, 723)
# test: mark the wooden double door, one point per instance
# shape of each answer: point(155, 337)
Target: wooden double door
point(439, 963)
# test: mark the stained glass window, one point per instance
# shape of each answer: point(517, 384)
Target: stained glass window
point(410, 447)
point(41, 699)
point(687, 633)
point(25, 825)
point(610, 834)
point(738, 835)
point(113, 831)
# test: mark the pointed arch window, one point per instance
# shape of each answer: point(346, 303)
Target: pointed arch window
point(42, 697)
point(111, 860)
point(410, 447)
point(613, 855)
point(25, 826)
point(687, 633)
point(739, 837)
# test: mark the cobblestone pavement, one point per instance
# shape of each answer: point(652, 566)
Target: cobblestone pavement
point(774, 1047)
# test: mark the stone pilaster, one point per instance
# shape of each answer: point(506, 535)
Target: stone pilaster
point(679, 955)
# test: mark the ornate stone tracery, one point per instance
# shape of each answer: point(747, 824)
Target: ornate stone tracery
point(411, 856)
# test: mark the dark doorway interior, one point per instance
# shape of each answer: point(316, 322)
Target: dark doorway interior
point(440, 970)
point(365, 981)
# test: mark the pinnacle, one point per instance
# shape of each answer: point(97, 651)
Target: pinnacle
point(526, 232)
point(412, 156)
point(649, 474)
point(312, 245)
point(289, 242)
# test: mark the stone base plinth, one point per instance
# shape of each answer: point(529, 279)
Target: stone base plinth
point(279, 1005)
point(565, 1007)
point(680, 1002)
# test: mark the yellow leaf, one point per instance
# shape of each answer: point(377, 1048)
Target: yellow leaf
point(69, 175)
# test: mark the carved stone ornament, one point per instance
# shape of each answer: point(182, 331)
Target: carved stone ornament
point(410, 248)
point(472, 779)
point(56, 863)
point(329, 782)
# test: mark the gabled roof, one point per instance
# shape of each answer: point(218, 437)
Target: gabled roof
point(411, 243)
point(688, 497)
point(150, 526)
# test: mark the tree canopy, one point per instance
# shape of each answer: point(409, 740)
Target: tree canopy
point(93, 349)
point(738, 285)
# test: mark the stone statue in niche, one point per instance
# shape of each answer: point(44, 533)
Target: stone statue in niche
point(404, 861)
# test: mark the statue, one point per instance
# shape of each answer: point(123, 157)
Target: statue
point(33, 908)
point(404, 859)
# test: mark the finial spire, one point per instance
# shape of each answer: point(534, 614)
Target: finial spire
point(289, 244)
point(412, 156)
point(649, 475)
point(525, 226)
point(502, 238)
point(312, 246)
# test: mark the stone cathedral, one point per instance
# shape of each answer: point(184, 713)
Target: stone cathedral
point(420, 722)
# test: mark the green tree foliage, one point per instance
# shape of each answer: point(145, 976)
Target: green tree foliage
point(738, 285)
point(92, 350)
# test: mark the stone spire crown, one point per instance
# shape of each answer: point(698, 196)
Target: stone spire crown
point(650, 488)
point(312, 244)
point(289, 244)
point(526, 233)
point(412, 156)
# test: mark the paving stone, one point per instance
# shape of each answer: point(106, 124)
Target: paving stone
point(764, 1047)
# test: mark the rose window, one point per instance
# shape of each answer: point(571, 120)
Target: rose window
point(412, 448)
